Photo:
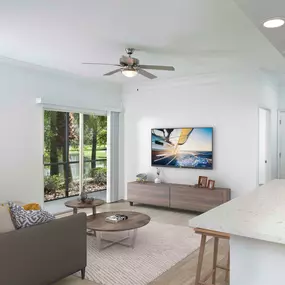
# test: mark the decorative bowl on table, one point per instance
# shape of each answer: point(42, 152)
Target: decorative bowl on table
point(89, 200)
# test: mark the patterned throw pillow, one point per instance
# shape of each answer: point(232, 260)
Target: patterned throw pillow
point(24, 219)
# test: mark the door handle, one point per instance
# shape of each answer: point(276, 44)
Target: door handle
point(265, 161)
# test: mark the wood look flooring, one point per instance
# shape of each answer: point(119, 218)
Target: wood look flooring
point(183, 273)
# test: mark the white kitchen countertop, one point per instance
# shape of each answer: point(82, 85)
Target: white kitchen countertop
point(259, 215)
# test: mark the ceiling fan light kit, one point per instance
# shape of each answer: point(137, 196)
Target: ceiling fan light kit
point(129, 72)
point(130, 66)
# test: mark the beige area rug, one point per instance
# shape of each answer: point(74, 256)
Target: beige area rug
point(158, 248)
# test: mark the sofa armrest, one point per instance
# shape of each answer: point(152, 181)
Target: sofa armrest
point(43, 254)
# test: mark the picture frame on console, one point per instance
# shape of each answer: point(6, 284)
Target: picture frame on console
point(211, 184)
point(202, 181)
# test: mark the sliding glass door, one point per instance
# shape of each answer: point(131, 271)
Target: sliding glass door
point(62, 151)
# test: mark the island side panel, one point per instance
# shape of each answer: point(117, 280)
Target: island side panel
point(256, 262)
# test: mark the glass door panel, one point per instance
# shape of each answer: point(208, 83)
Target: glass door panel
point(95, 153)
point(55, 154)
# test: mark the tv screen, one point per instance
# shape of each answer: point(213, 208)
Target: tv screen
point(182, 148)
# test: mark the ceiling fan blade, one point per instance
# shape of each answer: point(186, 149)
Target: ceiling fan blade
point(146, 74)
point(97, 63)
point(112, 72)
point(127, 60)
point(158, 67)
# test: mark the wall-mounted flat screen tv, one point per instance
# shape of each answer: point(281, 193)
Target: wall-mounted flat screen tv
point(182, 148)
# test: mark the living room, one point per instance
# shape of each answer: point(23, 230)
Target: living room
point(221, 67)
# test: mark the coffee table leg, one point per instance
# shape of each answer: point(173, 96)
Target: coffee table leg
point(98, 239)
point(74, 211)
point(94, 211)
point(134, 238)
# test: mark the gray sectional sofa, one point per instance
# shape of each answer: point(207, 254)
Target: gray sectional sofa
point(44, 254)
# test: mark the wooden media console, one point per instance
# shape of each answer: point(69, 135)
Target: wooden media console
point(177, 196)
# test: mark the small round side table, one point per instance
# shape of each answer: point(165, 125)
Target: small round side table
point(75, 205)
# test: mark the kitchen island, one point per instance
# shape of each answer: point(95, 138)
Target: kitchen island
point(256, 224)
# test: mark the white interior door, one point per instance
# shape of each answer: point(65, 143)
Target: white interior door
point(264, 146)
point(281, 156)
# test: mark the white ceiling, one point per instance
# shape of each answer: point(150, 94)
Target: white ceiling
point(196, 36)
point(261, 10)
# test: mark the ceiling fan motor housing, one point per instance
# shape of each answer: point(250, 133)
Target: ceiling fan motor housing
point(130, 61)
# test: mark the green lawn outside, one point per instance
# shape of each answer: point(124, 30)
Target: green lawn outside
point(87, 153)
point(100, 153)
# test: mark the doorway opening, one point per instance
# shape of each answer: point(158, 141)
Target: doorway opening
point(264, 147)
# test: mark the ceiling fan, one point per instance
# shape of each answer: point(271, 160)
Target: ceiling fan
point(130, 66)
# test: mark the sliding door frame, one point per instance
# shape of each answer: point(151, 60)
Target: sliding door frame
point(81, 160)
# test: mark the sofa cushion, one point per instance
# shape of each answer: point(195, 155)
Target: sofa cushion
point(24, 219)
point(6, 224)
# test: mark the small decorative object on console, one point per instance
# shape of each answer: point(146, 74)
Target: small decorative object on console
point(211, 184)
point(141, 177)
point(157, 179)
point(116, 218)
point(202, 181)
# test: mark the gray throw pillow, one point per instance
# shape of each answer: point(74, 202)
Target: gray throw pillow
point(23, 219)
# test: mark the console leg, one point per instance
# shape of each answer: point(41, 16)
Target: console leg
point(83, 273)
point(131, 203)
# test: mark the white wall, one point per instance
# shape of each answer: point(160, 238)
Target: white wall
point(281, 101)
point(21, 141)
point(229, 103)
point(263, 146)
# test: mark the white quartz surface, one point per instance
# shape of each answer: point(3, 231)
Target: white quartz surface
point(259, 215)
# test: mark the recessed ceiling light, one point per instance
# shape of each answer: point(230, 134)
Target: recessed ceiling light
point(274, 23)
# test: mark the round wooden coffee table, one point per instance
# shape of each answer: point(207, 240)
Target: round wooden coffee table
point(99, 225)
point(75, 204)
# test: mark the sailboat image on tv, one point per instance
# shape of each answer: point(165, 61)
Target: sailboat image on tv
point(182, 148)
